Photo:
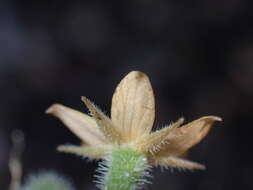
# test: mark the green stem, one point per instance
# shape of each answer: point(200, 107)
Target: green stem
point(124, 170)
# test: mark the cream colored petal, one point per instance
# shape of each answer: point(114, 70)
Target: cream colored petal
point(176, 162)
point(107, 127)
point(185, 137)
point(92, 152)
point(133, 106)
point(152, 143)
point(80, 124)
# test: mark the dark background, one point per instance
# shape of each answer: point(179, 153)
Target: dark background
point(198, 55)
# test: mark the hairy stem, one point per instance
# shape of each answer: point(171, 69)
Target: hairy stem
point(123, 170)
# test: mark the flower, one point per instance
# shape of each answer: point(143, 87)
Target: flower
point(132, 118)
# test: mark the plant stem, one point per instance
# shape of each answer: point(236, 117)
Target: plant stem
point(125, 169)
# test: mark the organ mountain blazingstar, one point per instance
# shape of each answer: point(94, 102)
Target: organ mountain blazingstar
point(129, 128)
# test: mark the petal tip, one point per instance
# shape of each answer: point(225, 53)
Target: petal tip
point(210, 118)
point(201, 167)
point(214, 118)
point(65, 148)
point(219, 119)
point(52, 109)
point(60, 148)
point(137, 74)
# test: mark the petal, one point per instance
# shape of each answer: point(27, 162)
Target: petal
point(185, 137)
point(104, 123)
point(152, 143)
point(92, 152)
point(176, 162)
point(80, 124)
point(133, 106)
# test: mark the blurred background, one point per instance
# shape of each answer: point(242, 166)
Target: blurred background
point(198, 55)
